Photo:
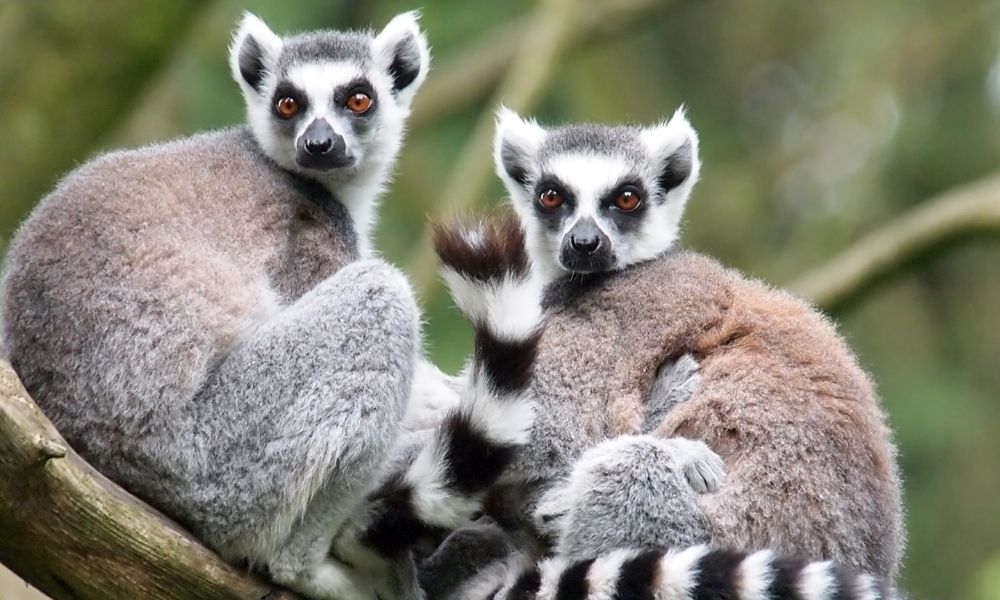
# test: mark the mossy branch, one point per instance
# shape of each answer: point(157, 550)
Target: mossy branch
point(75, 535)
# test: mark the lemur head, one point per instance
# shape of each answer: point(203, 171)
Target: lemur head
point(596, 198)
point(329, 104)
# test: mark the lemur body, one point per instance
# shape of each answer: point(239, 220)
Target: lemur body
point(617, 504)
point(809, 463)
point(194, 319)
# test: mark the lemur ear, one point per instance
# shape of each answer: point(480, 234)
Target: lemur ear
point(401, 50)
point(515, 147)
point(673, 149)
point(253, 51)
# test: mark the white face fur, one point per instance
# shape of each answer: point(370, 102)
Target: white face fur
point(330, 105)
point(596, 198)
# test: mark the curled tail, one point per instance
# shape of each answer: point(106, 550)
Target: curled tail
point(487, 271)
point(695, 573)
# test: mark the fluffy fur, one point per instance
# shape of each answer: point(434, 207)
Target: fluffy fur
point(810, 465)
point(193, 317)
point(588, 165)
point(320, 71)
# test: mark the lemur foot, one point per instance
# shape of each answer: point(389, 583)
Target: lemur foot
point(329, 580)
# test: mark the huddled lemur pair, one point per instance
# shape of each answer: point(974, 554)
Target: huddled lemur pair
point(205, 322)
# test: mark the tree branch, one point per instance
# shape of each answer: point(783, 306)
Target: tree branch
point(954, 216)
point(75, 535)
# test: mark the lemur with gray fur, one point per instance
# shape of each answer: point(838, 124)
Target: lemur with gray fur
point(809, 463)
point(194, 318)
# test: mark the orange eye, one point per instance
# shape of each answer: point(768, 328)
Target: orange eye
point(359, 103)
point(627, 201)
point(550, 200)
point(288, 107)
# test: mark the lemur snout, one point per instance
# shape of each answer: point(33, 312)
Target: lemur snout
point(322, 148)
point(585, 248)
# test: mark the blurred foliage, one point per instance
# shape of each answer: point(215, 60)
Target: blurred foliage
point(818, 121)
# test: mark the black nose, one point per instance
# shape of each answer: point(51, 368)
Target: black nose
point(318, 145)
point(587, 244)
point(320, 138)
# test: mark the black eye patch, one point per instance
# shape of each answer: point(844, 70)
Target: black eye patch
point(286, 89)
point(625, 221)
point(552, 219)
point(359, 85)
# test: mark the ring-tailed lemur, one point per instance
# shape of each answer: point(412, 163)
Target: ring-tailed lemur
point(648, 487)
point(193, 318)
point(810, 464)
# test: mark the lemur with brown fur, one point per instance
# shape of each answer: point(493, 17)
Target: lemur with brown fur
point(810, 466)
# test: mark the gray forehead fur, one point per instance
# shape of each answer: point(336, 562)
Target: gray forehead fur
point(325, 46)
point(614, 140)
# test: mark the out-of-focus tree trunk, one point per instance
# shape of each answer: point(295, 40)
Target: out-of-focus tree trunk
point(69, 70)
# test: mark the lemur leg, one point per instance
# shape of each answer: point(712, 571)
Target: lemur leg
point(299, 419)
point(631, 492)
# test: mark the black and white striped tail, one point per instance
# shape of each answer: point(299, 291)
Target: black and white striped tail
point(487, 271)
point(695, 573)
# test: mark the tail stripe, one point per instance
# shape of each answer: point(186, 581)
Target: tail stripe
point(678, 572)
point(606, 576)
point(573, 583)
point(472, 459)
point(786, 578)
point(817, 582)
point(638, 576)
point(526, 585)
point(394, 526)
point(506, 363)
point(717, 575)
point(846, 584)
point(755, 576)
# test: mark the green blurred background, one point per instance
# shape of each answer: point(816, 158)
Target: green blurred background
point(819, 123)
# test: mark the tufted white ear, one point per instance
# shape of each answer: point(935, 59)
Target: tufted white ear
point(401, 50)
point(515, 148)
point(672, 147)
point(254, 50)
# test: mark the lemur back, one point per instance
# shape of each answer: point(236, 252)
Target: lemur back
point(810, 464)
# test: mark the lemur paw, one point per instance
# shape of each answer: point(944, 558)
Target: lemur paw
point(703, 468)
point(329, 580)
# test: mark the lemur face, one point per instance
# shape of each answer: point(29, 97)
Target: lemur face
point(596, 198)
point(327, 104)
